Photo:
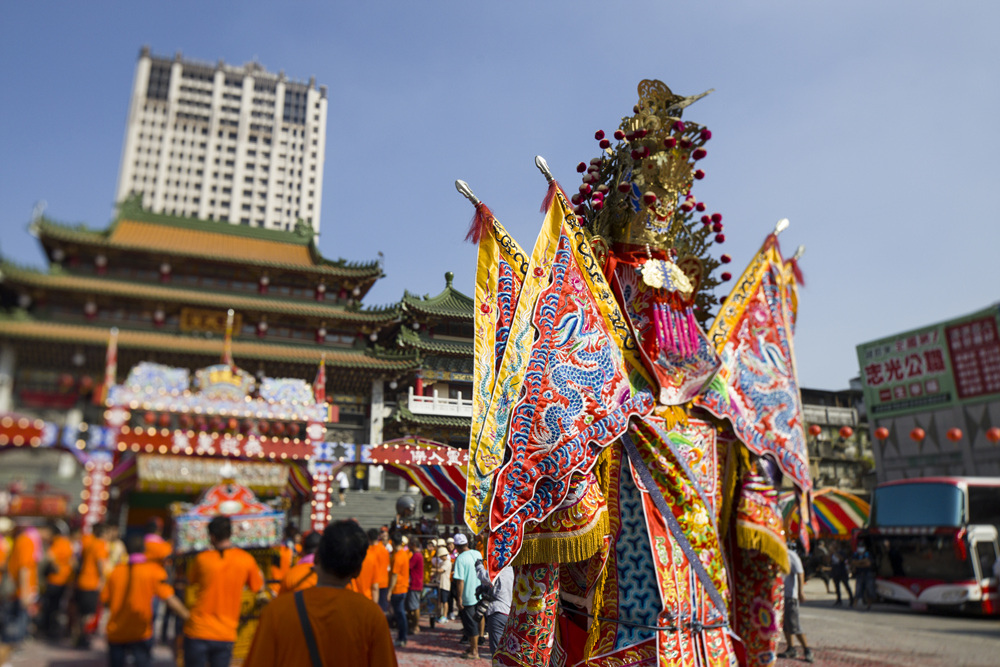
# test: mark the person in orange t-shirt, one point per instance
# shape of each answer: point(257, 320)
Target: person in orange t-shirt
point(366, 582)
point(399, 585)
point(219, 576)
point(302, 575)
point(347, 628)
point(90, 580)
point(60, 559)
point(381, 567)
point(287, 553)
point(128, 594)
point(156, 549)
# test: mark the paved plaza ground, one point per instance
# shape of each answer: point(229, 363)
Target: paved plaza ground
point(887, 635)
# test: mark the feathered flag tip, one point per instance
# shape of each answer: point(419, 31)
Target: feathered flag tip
point(543, 167)
point(794, 264)
point(482, 215)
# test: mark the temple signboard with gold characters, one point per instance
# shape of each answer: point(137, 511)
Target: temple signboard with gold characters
point(199, 319)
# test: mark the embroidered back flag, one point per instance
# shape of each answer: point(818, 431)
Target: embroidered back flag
point(575, 395)
point(500, 274)
point(757, 389)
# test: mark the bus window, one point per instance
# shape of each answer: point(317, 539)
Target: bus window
point(984, 505)
point(987, 555)
point(923, 504)
point(931, 557)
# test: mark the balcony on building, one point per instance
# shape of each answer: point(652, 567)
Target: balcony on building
point(438, 406)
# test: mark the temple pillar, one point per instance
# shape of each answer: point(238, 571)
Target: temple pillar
point(8, 366)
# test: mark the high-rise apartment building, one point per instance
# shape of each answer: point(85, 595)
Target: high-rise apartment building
point(219, 142)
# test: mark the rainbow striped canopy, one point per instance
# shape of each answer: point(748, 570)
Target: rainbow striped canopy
point(837, 513)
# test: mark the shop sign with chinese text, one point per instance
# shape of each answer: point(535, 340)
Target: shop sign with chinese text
point(934, 367)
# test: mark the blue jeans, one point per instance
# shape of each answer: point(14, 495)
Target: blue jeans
point(495, 623)
point(141, 652)
point(207, 653)
point(397, 601)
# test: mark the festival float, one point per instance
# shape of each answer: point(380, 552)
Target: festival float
point(630, 429)
point(174, 435)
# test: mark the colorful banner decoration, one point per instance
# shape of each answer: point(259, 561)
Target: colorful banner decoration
point(837, 512)
point(757, 389)
point(205, 443)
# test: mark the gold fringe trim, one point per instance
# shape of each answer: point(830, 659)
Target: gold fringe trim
point(760, 539)
point(596, 607)
point(736, 459)
point(568, 549)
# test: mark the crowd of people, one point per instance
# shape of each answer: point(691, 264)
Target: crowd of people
point(324, 596)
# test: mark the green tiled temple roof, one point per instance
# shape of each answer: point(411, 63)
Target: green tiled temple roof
point(409, 339)
point(241, 302)
point(449, 304)
point(136, 229)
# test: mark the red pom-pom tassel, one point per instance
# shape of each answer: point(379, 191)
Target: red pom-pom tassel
point(483, 217)
point(550, 194)
point(797, 272)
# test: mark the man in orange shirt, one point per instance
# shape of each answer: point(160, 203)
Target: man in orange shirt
point(344, 627)
point(60, 571)
point(22, 569)
point(381, 567)
point(366, 583)
point(399, 585)
point(90, 580)
point(219, 576)
point(129, 594)
point(302, 575)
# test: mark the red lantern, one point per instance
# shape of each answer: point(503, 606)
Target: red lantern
point(815, 430)
point(233, 423)
point(264, 428)
point(149, 418)
point(278, 429)
point(165, 420)
point(202, 424)
point(86, 384)
point(918, 434)
point(293, 430)
point(881, 433)
point(993, 435)
point(185, 421)
point(247, 426)
point(954, 434)
point(846, 432)
point(217, 423)
point(66, 381)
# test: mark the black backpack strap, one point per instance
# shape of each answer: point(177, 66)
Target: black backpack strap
point(300, 604)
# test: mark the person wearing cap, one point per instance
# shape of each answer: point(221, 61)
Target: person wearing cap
point(467, 581)
point(441, 578)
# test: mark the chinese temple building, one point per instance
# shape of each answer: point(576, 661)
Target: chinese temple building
point(166, 284)
point(436, 402)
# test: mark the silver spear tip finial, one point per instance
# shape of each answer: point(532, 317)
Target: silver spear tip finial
point(781, 226)
point(801, 250)
point(543, 167)
point(466, 192)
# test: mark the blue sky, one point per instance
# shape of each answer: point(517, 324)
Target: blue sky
point(871, 125)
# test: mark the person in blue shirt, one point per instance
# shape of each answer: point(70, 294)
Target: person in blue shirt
point(467, 581)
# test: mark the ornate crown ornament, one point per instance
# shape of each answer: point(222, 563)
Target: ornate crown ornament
point(636, 197)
